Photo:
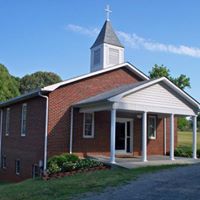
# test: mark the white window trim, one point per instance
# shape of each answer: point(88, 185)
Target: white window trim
point(7, 122)
point(155, 130)
point(22, 116)
point(88, 136)
point(17, 172)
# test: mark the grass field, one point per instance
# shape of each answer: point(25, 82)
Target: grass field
point(185, 139)
point(67, 187)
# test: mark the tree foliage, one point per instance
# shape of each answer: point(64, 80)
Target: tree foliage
point(159, 71)
point(37, 80)
point(8, 85)
point(183, 124)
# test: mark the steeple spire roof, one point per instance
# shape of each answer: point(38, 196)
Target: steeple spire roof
point(108, 36)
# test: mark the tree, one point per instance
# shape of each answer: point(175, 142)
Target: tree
point(183, 124)
point(37, 80)
point(8, 85)
point(159, 71)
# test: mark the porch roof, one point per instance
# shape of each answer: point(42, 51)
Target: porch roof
point(117, 94)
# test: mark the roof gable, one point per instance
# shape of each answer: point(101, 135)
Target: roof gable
point(123, 65)
point(168, 83)
point(162, 90)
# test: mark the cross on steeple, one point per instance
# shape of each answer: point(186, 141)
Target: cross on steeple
point(108, 11)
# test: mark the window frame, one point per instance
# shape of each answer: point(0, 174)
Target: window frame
point(92, 133)
point(155, 127)
point(23, 132)
point(17, 167)
point(7, 123)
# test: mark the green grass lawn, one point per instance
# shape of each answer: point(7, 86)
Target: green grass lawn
point(185, 139)
point(68, 187)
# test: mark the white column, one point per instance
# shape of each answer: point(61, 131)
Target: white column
point(113, 135)
point(172, 137)
point(194, 145)
point(144, 137)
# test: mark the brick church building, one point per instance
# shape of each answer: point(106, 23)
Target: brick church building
point(114, 110)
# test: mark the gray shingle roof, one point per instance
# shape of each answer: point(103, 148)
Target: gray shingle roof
point(111, 93)
point(107, 35)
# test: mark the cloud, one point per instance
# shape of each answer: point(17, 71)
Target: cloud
point(135, 41)
point(92, 32)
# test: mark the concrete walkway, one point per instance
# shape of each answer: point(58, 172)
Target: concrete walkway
point(135, 162)
point(177, 183)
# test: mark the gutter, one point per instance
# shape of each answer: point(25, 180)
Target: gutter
point(46, 130)
point(1, 134)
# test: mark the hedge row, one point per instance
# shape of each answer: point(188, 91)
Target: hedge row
point(185, 152)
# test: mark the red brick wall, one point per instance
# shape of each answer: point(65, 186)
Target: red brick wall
point(28, 149)
point(137, 137)
point(154, 147)
point(100, 144)
point(61, 100)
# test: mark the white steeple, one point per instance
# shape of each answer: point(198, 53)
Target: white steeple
point(107, 49)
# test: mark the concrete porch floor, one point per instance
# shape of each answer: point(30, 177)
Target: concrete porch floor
point(135, 162)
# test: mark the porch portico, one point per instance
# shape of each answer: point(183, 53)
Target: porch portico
point(157, 97)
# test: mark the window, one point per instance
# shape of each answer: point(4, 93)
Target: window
point(7, 121)
point(17, 167)
point(88, 125)
point(152, 127)
point(23, 122)
point(35, 171)
point(97, 57)
point(113, 56)
point(4, 163)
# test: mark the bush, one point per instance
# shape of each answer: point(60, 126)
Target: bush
point(70, 162)
point(185, 152)
point(198, 153)
point(55, 163)
point(87, 163)
point(54, 168)
point(68, 166)
point(63, 158)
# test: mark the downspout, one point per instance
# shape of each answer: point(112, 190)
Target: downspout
point(165, 135)
point(71, 130)
point(46, 130)
point(1, 134)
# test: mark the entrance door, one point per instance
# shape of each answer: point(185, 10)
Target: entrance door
point(120, 136)
point(124, 142)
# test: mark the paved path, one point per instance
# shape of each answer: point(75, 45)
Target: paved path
point(182, 183)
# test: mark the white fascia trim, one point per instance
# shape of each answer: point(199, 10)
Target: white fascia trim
point(168, 82)
point(55, 86)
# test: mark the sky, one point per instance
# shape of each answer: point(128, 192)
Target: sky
point(56, 35)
